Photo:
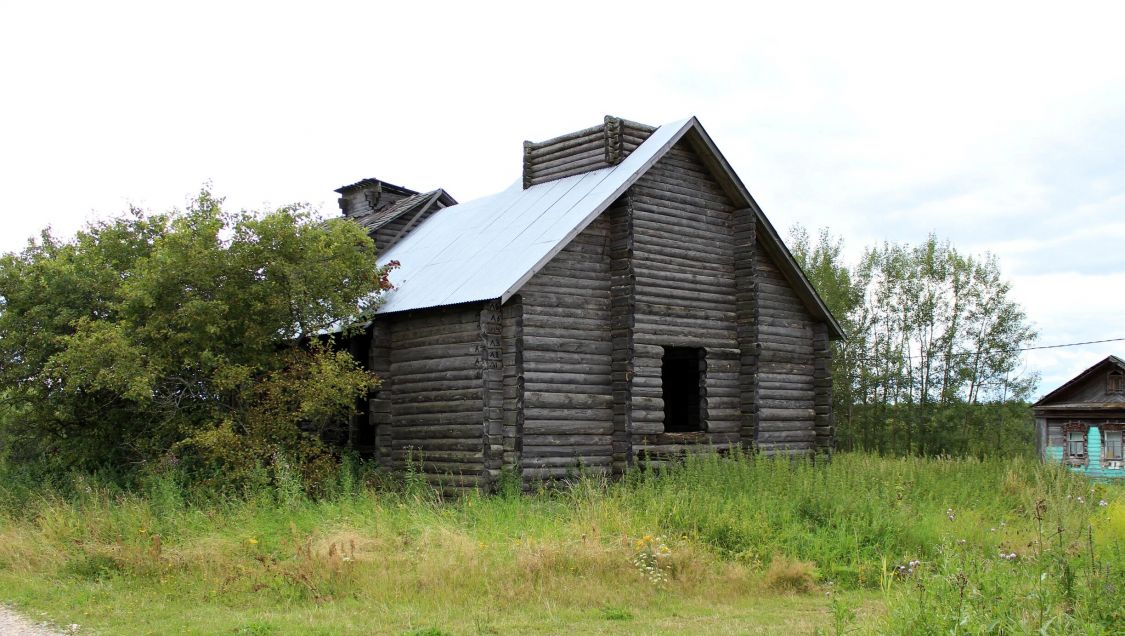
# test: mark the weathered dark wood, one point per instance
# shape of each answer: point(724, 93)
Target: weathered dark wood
point(567, 376)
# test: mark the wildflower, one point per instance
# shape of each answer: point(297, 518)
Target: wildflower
point(1009, 556)
point(252, 541)
point(482, 545)
point(992, 529)
point(143, 530)
point(960, 542)
point(1080, 499)
point(949, 514)
point(1103, 503)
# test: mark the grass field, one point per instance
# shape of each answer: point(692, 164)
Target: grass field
point(717, 546)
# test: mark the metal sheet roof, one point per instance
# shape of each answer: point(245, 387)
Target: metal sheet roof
point(489, 247)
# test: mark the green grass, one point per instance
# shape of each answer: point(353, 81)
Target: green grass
point(717, 546)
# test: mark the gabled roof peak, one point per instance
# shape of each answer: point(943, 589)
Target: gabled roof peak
point(488, 248)
point(1102, 365)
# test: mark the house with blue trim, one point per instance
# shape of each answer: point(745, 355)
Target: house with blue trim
point(1082, 423)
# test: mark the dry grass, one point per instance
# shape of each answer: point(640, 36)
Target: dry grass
point(789, 576)
point(389, 562)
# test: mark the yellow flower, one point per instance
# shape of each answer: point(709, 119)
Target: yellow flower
point(143, 530)
point(648, 538)
point(252, 541)
point(482, 546)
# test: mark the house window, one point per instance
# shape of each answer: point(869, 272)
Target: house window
point(1111, 446)
point(1115, 382)
point(1076, 446)
point(681, 376)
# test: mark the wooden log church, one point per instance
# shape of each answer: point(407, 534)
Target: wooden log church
point(624, 301)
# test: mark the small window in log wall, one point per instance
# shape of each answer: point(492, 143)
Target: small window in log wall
point(1115, 382)
point(681, 376)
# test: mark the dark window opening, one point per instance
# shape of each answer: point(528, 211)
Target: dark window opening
point(365, 429)
point(681, 376)
point(1115, 382)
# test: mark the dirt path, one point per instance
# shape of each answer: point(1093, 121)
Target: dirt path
point(12, 624)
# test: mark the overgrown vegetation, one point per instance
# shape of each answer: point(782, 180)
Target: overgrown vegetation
point(862, 544)
point(932, 362)
point(171, 339)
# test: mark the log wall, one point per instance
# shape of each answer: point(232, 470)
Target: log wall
point(379, 407)
point(566, 361)
point(747, 319)
point(683, 264)
point(788, 360)
point(443, 370)
point(582, 151)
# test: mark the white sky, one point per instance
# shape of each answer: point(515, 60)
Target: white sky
point(998, 126)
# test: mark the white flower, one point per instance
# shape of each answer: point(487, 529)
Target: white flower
point(1103, 503)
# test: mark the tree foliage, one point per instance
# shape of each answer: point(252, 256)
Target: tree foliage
point(169, 337)
point(932, 363)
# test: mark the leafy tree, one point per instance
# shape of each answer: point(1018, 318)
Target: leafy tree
point(932, 360)
point(174, 338)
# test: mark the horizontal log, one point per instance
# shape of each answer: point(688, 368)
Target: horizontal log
point(561, 473)
point(462, 363)
point(433, 408)
point(439, 431)
point(661, 243)
point(578, 155)
point(532, 298)
point(651, 332)
point(418, 395)
point(428, 445)
point(427, 419)
point(652, 295)
point(531, 343)
point(665, 179)
point(775, 437)
point(592, 414)
point(786, 414)
point(541, 400)
point(569, 170)
point(567, 427)
point(429, 380)
point(770, 355)
point(546, 456)
point(475, 455)
point(564, 148)
point(593, 132)
point(546, 367)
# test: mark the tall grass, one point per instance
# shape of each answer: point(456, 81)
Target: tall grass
point(719, 530)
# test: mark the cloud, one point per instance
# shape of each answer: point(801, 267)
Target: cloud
point(1000, 126)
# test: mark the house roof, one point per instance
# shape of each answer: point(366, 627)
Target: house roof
point(488, 248)
point(409, 205)
point(1056, 395)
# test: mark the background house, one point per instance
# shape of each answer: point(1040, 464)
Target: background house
point(1081, 423)
point(625, 299)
